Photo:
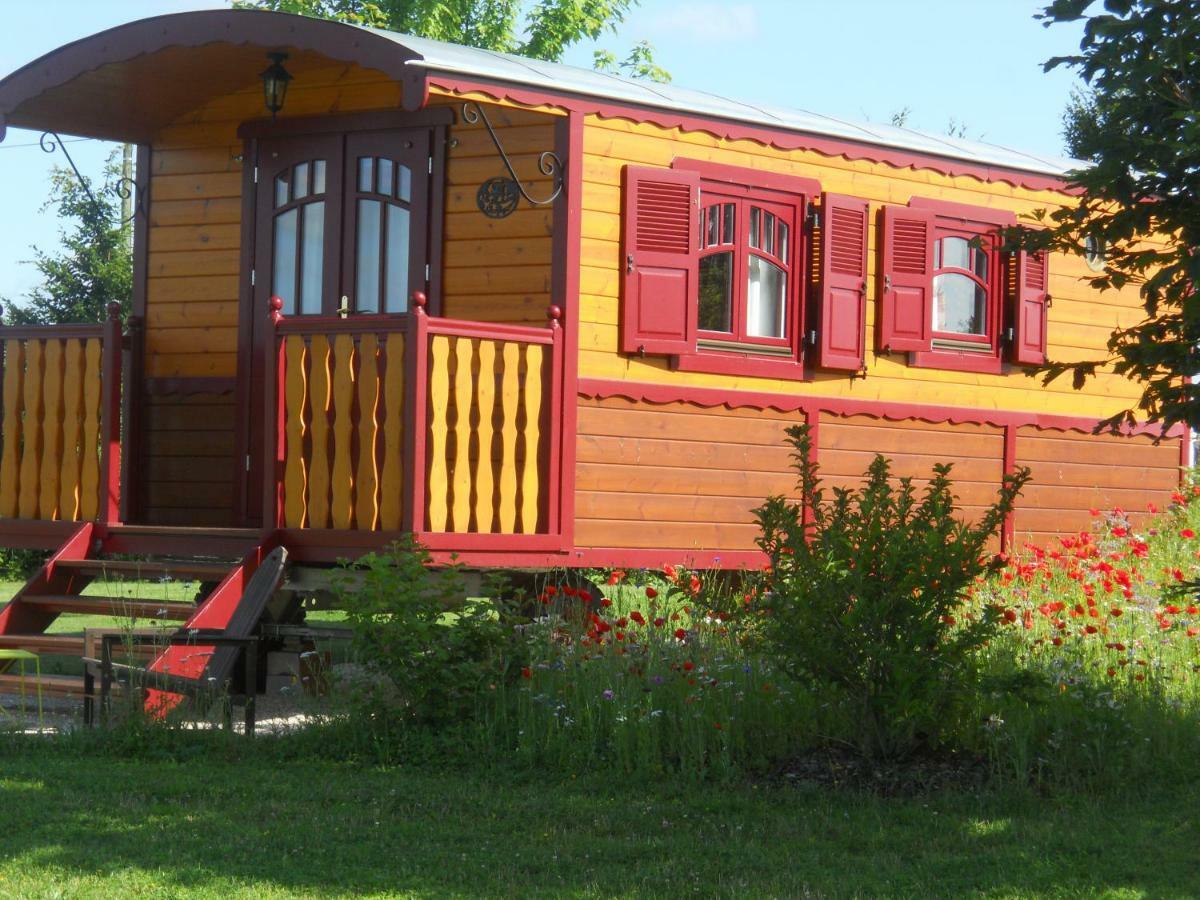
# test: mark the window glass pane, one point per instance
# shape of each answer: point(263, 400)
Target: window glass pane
point(366, 297)
point(768, 233)
point(312, 258)
point(956, 253)
point(716, 292)
point(281, 190)
point(713, 225)
point(765, 299)
point(727, 223)
point(366, 174)
point(396, 274)
point(300, 181)
point(783, 241)
point(754, 217)
point(404, 183)
point(283, 263)
point(319, 176)
point(981, 263)
point(385, 177)
point(959, 305)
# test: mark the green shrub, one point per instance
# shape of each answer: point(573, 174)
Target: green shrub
point(425, 647)
point(866, 592)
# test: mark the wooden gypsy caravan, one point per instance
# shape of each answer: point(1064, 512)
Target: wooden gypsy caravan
point(536, 315)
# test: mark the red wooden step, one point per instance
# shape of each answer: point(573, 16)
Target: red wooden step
point(52, 685)
point(128, 607)
point(150, 570)
point(67, 644)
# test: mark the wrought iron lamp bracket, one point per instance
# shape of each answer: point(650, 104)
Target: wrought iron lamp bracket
point(498, 197)
point(124, 187)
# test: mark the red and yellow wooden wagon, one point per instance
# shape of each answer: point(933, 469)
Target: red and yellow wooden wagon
point(535, 315)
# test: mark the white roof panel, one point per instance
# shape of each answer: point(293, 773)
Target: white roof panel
point(503, 67)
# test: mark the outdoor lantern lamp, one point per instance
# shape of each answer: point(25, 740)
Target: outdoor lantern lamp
point(275, 80)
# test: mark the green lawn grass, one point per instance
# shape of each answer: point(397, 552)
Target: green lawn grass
point(256, 826)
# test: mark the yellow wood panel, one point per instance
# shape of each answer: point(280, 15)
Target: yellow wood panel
point(343, 430)
point(211, 211)
point(320, 400)
point(439, 396)
point(463, 401)
point(73, 374)
point(486, 401)
point(530, 480)
point(192, 315)
point(31, 453)
point(295, 470)
point(89, 478)
point(510, 398)
point(195, 237)
point(392, 477)
point(14, 380)
point(183, 365)
point(366, 480)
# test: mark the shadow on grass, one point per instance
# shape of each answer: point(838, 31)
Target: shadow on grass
point(264, 827)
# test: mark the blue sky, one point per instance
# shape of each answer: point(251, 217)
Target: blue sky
point(972, 62)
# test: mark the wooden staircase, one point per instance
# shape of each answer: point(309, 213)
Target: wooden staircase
point(220, 560)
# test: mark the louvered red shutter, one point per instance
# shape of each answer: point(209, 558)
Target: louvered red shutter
point(1029, 317)
point(842, 322)
point(660, 282)
point(906, 271)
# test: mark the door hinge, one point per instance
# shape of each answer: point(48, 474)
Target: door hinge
point(426, 273)
point(814, 217)
point(252, 278)
point(256, 174)
point(247, 462)
point(430, 168)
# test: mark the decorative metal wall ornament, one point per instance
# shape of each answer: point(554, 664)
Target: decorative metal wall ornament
point(124, 187)
point(498, 197)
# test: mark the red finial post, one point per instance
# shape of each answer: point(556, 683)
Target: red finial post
point(419, 301)
point(276, 305)
point(114, 310)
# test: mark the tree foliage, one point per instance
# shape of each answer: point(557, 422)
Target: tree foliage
point(541, 31)
point(93, 267)
point(1139, 125)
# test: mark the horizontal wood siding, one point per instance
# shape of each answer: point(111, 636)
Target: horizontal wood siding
point(847, 446)
point(680, 477)
point(188, 459)
point(1076, 473)
point(1080, 319)
point(676, 476)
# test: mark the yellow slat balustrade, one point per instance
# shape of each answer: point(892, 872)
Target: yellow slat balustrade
point(532, 438)
point(366, 481)
point(392, 474)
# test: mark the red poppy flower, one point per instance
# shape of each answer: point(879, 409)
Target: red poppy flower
point(1115, 612)
point(526, 672)
point(651, 593)
point(637, 617)
point(660, 622)
point(617, 576)
point(1091, 629)
point(669, 572)
point(605, 602)
point(680, 634)
point(1056, 641)
point(688, 666)
point(1187, 533)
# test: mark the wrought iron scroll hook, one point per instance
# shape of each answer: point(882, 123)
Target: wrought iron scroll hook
point(497, 197)
point(124, 187)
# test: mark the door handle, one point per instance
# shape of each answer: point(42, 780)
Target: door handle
point(344, 309)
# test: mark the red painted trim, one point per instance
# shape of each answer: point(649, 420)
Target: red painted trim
point(417, 400)
point(966, 212)
point(110, 419)
point(720, 362)
point(16, 617)
point(755, 180)
point(988, 363)
point(596, 388)
point(778, 138)
point(275, 421)
point(567, 244)
point(1008, 530)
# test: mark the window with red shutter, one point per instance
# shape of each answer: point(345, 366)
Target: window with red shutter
point(660, 279)
point(945, 287)
point(1029, 314)
point(841, 314)
point(906, 272)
